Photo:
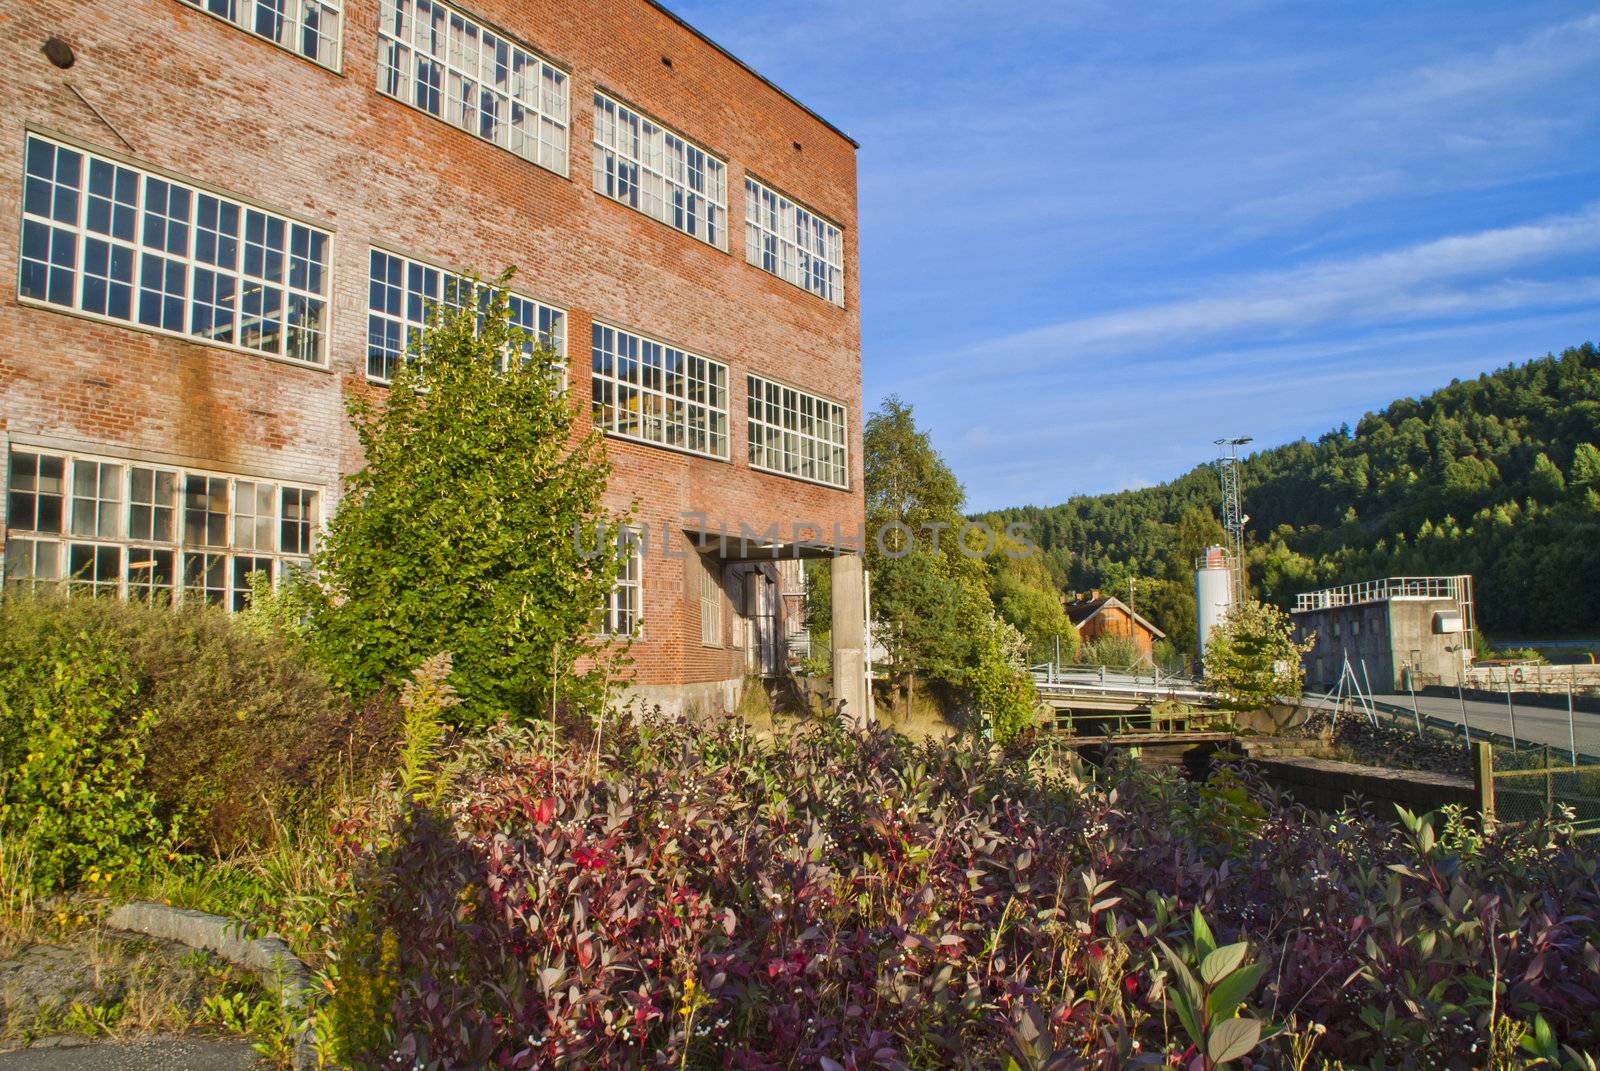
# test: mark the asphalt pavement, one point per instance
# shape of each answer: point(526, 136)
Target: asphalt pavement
point(1536, 725)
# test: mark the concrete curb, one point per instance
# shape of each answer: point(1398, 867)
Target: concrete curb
point(285, 976)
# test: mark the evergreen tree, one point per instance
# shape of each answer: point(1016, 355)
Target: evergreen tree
point(1437, 484)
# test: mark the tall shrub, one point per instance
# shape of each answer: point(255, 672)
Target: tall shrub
point(238, 723)
point(459, 534)
point(1252, 658)
point(72, 791)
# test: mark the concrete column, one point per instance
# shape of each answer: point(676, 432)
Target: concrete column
point(849, 639)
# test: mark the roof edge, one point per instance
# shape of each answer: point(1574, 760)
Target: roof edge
point(1109, 601)
point(784, 93)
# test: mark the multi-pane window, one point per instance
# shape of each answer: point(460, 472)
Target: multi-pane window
point(437, 60)
point(113, 241)
point(647, 390)
point(796, 434)
point(793, 242)
point(309, 27)
point(710, 602)
point(623, 612)
point(402, 297)
point(150, 532)
point(299, 518)
point(638, 162)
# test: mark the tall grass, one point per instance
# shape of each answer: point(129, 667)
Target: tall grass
point(18, 908)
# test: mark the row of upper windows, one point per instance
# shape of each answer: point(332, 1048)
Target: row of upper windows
point(442, 62)
point(103, 238)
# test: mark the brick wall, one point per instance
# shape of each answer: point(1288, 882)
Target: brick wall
point(183, 92)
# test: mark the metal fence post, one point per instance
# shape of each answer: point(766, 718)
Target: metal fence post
point(1371, 711)
point(1483, 779)
point(1511, 711)
point(1466, 726)
point(1549, 784)
point(1415, 711)
point(1572, 731)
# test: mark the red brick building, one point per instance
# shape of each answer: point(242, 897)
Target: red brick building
point(229, 215)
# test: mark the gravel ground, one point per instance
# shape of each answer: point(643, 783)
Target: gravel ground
point(1391, 745)
point(133, 995)
point(145, 1054)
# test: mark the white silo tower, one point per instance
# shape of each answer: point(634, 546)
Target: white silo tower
point(1213, 592)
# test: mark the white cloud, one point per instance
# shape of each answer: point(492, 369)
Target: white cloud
point(1422, 281)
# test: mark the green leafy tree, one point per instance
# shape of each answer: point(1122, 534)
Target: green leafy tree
point(1252, 658)
point(462, 532)
point(930, 600)
point(1025, 596)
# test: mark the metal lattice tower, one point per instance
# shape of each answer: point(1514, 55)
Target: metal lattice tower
point(1233, 517)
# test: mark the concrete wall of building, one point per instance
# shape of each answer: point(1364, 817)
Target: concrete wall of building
point(172, 89)
point(1387, 636)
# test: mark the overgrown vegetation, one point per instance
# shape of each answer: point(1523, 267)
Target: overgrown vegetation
point(1252, 659)
point(467, 529)
point(130, 733)
point(701, 898)
point(1498, 477)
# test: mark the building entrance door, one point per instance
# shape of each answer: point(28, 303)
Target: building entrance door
point(761, 623)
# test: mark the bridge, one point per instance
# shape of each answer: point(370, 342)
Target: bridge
point(1099, 706)
point(1097, 688)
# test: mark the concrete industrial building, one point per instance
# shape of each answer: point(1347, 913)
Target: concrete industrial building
point(230, 216)
point(1394, 632)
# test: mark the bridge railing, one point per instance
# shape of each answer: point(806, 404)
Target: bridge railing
point(1056, 681)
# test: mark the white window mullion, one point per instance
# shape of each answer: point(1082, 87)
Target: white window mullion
point(185, 258)
point(292, 29)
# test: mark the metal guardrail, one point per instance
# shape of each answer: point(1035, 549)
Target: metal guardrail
point(1394, 587)
point(1410, 718)
point(1061, 682)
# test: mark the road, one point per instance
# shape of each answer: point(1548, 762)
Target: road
point(1538, 725)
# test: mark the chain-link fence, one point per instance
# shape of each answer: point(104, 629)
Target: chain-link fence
point(1531, 782)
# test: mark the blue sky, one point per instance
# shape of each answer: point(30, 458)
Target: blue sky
point(1097, 236)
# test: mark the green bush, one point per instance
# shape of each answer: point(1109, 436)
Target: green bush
point(237, 722)
point(71, 791)
point(462, 533)
point(1111, 651)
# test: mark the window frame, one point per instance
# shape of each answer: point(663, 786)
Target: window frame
point(447, 276)
point(617, 384)
point(604, 156)
point(134, 550)
point(788, 247)
point(338, 7)
point(711, 630)
point(141, 250)
point(389, 42)
point(752, 423)
point(610, 612)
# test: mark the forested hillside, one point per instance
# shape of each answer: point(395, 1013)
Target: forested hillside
point(1497, 476)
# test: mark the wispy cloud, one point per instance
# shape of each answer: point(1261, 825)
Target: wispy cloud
point(1425, 280)
point(1094, 233)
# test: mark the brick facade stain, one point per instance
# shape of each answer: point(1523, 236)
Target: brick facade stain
point(185, 93)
